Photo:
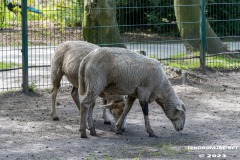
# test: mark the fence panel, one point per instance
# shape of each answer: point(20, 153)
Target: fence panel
point(59, 22)
point(10, 49)
point(145, 26)
point(150, 26)
point(49, 24)
point(224, 18)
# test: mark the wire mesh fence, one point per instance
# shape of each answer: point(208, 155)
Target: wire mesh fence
point(152, 27)
point(10, 41)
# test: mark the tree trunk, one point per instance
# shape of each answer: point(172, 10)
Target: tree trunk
point(100, 24)
point(188, 20)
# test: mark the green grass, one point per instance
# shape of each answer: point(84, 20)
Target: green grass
point(8, 65)
point(32, 87)
point(221, 62)
point(167, 149)
point(107, 157)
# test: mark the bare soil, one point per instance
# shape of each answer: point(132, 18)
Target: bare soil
point(48, 33)
point(212, 121)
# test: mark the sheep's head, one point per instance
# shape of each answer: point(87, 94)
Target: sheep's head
point(178, 117)
point(116, 105)
point(176, 113)
point(116, 109)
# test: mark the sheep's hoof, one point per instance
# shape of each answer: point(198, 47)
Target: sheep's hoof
point(83, 133)
point(93, 132)
point(107, 122)
point(55, 119)
point(153, 135)
point(84, 136)
point(119, 132)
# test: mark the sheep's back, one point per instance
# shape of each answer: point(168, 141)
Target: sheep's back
point(125, 70)
point(69, 55)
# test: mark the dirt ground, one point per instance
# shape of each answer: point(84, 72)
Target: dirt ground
point(212, 127)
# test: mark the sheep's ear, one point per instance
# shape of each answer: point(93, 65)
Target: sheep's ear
point(181, 107)
point(109, 106)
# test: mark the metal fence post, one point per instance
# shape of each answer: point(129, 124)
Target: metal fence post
point(203, 36)
point(24, 48)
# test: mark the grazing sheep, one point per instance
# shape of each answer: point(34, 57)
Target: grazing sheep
point(66, 61)
point(118, 71)
point(114, 105)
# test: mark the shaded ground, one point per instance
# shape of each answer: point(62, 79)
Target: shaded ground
point(46, 32)
point(213, 111)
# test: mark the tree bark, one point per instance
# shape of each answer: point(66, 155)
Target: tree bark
point(100, 24)
point(187, 13)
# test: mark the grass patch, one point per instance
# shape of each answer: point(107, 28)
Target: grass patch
point(137, 158)
point(166, 149)
point(8, 65)
point(32, 87)
point(226, 62)
point(219, 62)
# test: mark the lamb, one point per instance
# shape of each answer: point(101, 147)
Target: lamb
point(66, 61)
point(118, 71)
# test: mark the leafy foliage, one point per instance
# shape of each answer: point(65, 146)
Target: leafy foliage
point(158, 16)
point(133, 15)
point(67, 13)
point(2, 13)
point(224, 16)
point(153, 15)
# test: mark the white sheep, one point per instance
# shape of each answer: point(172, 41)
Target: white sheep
point(119, 71)
point(66, 61)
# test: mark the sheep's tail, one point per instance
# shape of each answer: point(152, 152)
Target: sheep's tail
point(56, 66)
point(81, 77)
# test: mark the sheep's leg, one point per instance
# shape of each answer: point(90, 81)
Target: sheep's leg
point(86, 103)
point(53, 108)
point(75, 97)
point(130, 101)
point(90, 121)
point(56, 81)
point(124, 126)
point(93, 87)
point(83, 123)
point(144, 105)
point(56, 76)
point(106, 114)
